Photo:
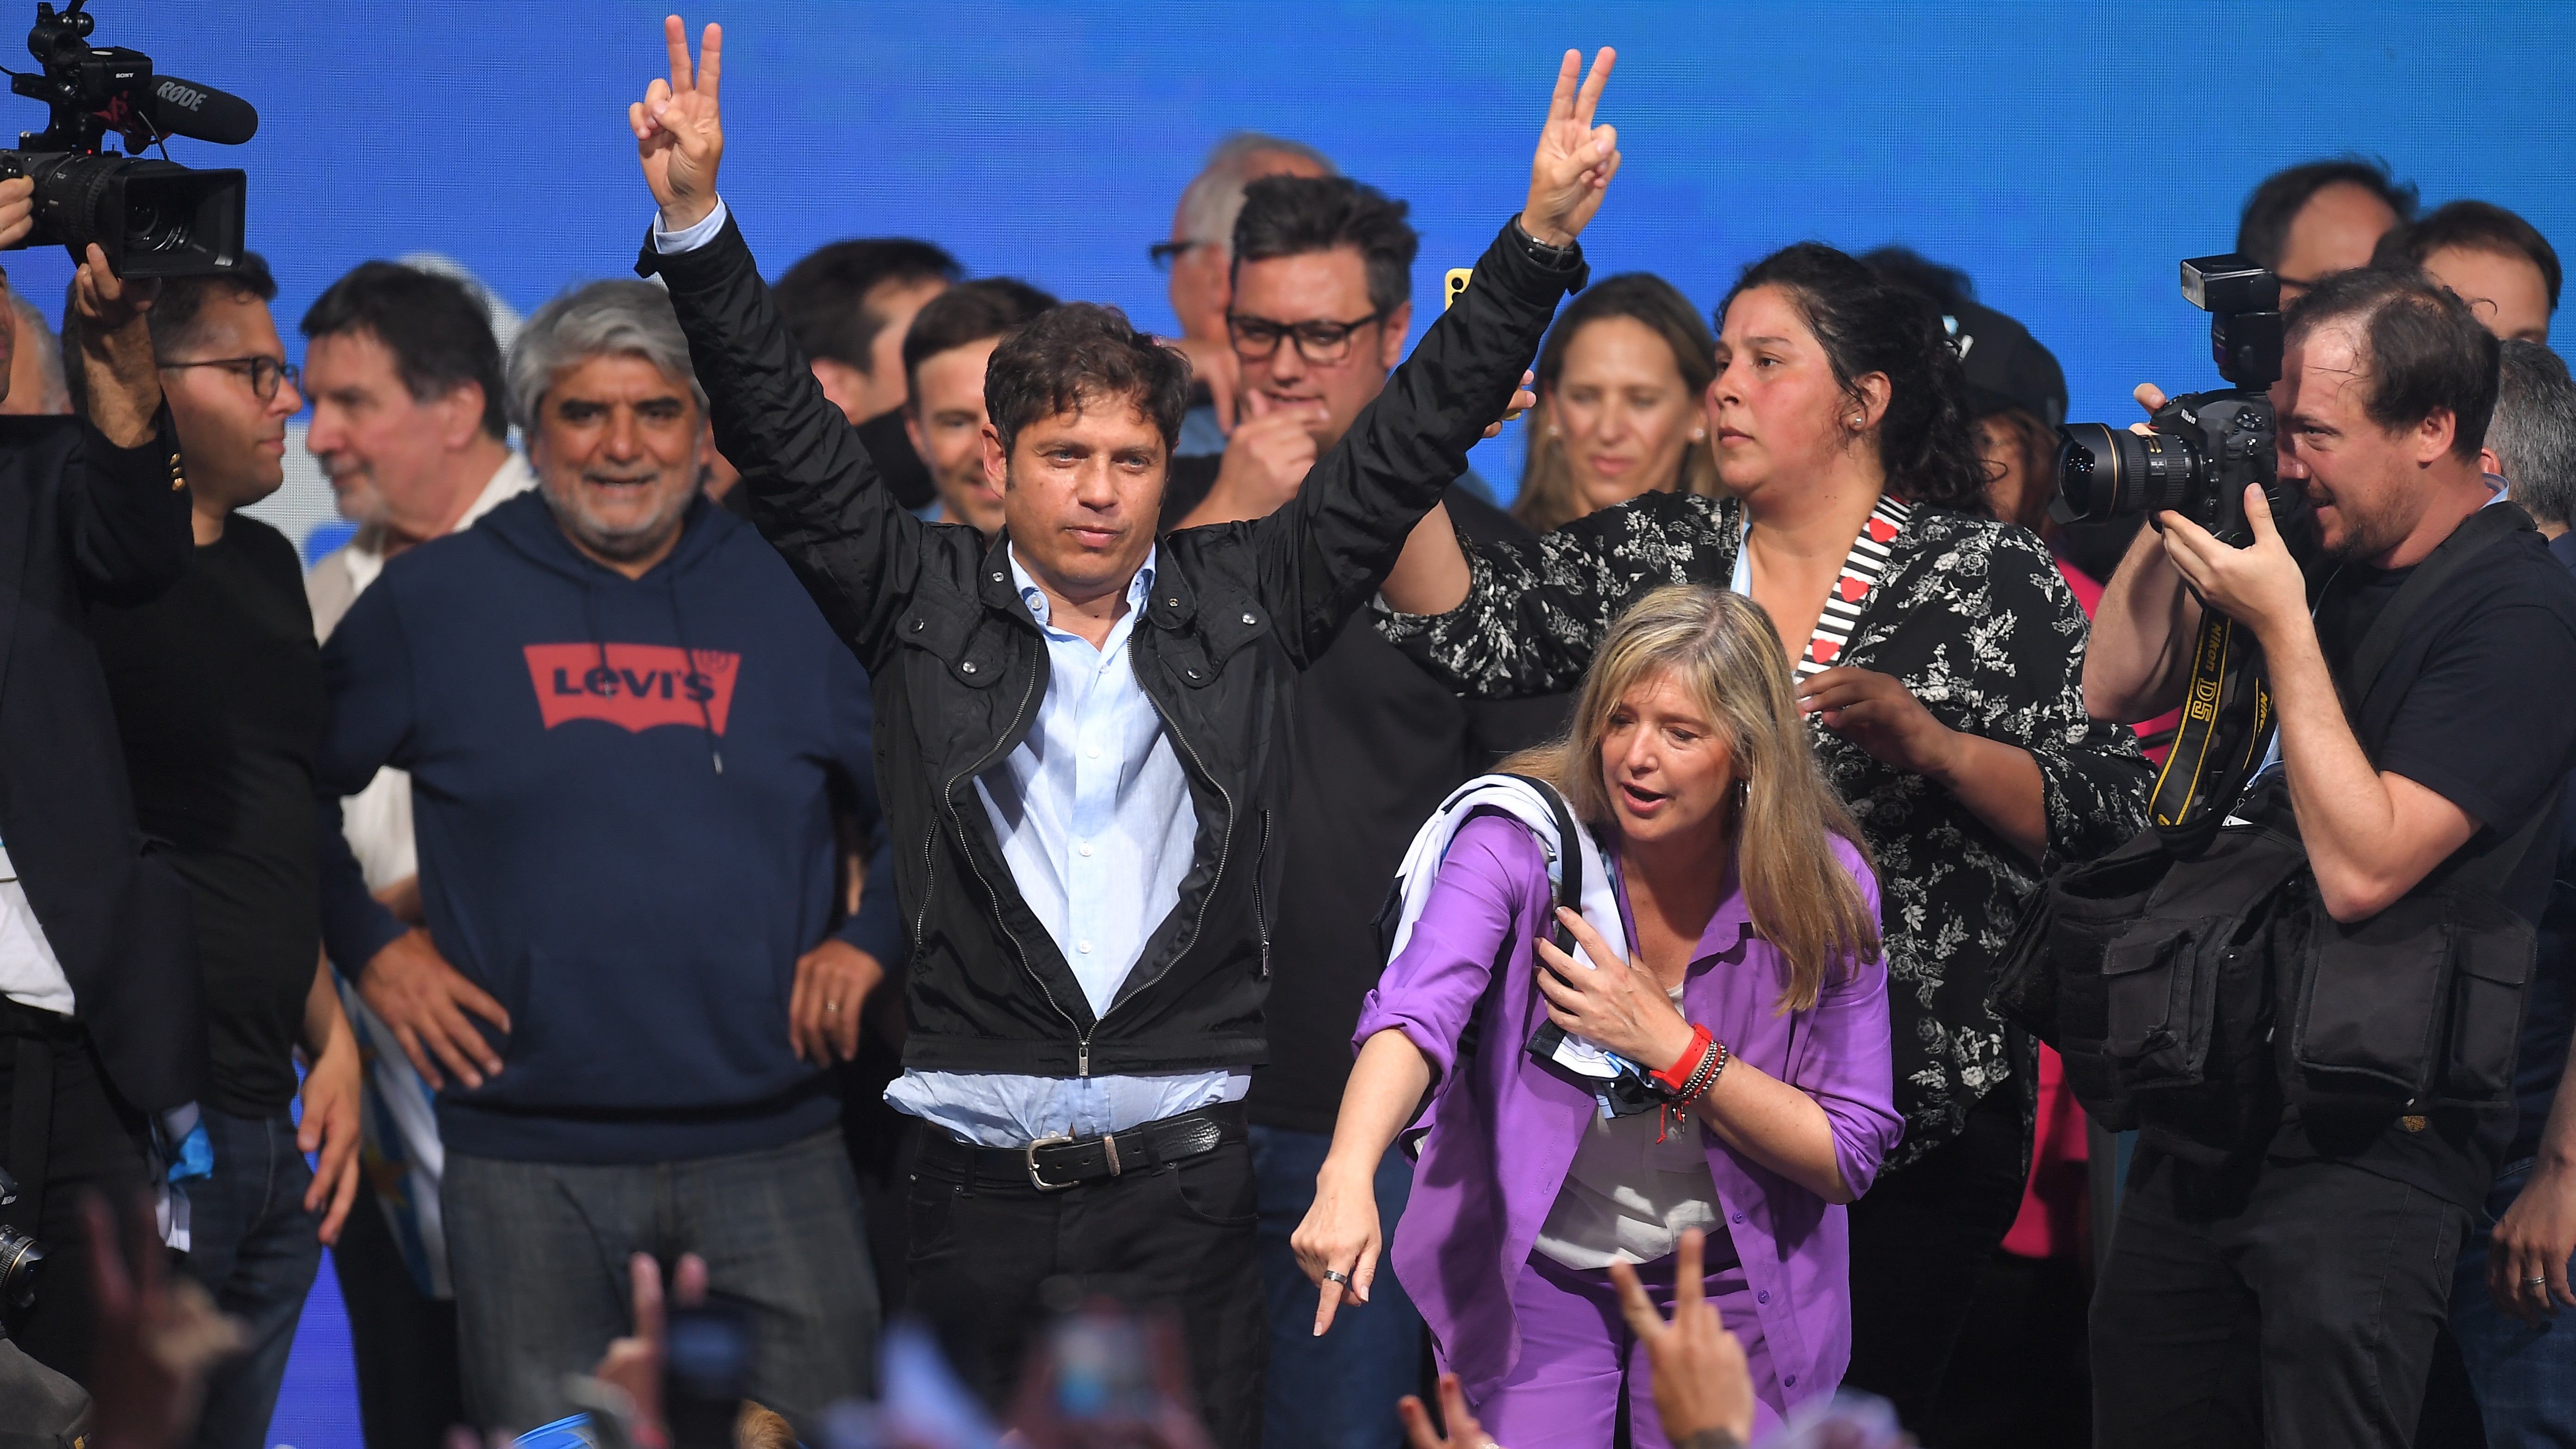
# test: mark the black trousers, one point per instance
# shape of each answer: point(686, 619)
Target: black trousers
point(91, 1141)
point(2300, 1311)
point(993, 1262)
point(1920, 1241)
point(403, 1340)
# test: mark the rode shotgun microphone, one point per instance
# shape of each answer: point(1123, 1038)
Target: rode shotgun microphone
point(178, 107)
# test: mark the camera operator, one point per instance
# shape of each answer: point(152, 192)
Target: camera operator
point(102, 1014)
point(218, 693)
point(2330, 1250)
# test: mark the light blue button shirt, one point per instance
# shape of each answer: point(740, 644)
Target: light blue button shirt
point(1095, 820)
point(1096, 823)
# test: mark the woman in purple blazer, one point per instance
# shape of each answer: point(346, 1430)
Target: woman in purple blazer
point(1750, 984)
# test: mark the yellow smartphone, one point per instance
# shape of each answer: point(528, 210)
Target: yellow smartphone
point(1452, 288)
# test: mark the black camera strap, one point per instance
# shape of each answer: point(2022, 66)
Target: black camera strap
point(2226, 728)
point(2228, 716)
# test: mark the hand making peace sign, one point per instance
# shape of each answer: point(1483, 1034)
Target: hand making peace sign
point(1575, 159)
point(678, 136)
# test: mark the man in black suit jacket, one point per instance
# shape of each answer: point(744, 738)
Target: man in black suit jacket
point(100, 1020)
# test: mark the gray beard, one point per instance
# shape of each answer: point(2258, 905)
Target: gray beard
point(623, 545)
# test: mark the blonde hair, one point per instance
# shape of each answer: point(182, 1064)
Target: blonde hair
point(1723, 651)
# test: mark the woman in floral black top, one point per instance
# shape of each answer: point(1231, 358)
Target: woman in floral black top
point(1940, 653)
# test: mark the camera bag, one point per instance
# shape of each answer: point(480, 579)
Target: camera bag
point(2158, 974)
point(2419, 1005)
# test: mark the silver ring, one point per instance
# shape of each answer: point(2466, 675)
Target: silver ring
point(1336, 1275)
point(2535, 1282)
point(831, 1006)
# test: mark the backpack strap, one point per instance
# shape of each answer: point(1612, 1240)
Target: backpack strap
point(1565, 867)
point(2486, 526)
point(2488, 869)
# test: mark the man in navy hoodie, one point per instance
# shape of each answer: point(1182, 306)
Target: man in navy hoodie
point(620, 713)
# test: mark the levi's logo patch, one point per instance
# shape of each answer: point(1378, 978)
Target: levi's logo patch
point(635, 686)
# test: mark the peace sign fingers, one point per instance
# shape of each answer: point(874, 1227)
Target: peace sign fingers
point(1589, 99)
point(675, 36)
point(679, 137)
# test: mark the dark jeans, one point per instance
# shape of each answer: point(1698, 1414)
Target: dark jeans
point(94, 1143)
point(256, 1249)
point(1920, 1240)
point(538, 1252)
point(1338, 1391)
point(403, 1340)
point(2298, 1310)
point(1179, 1236)
point(2021, 1374)
point(2525, 1377)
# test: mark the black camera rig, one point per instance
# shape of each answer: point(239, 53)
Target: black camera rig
point(152, 218)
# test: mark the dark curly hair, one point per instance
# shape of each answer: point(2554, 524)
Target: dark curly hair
point(1867, 324)
point(1081, 353)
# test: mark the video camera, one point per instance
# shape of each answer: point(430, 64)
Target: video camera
point(2204, 448)
point(152, 218)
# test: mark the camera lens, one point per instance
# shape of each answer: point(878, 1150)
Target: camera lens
point(19, 1257)
point(2105, 472)
point(151, 226)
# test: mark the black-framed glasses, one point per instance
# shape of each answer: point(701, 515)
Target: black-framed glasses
point(1165, 253)
point(1322, 343)
point(265, 373)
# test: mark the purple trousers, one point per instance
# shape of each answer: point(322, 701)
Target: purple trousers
point(1578, 1357)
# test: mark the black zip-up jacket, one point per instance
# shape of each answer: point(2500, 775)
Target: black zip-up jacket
point(960, 667)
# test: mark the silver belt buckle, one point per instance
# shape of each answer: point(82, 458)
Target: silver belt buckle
point(1030, 1155)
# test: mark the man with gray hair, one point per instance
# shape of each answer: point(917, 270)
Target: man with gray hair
point(2513, 1273)
point(1200, 258)
point(623, 721)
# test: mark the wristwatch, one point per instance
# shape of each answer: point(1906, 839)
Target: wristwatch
point(1563, 258)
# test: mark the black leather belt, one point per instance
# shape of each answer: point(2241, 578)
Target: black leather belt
point(1056, 1163)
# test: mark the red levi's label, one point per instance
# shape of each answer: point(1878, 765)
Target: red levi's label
point(635, 686)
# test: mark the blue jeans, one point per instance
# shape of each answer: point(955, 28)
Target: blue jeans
point(2525, 1377)
point(1338, 1391)
point(538, 1253)
point(256, 1249)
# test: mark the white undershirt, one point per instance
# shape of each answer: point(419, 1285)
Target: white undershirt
point(29, 972)
point(1627, 1198)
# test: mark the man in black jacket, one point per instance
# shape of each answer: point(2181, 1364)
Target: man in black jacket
point(100, 1019)
point(1378, 744)
point(1087, 743)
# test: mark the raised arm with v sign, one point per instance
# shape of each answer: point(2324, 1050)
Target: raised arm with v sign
point(679, 138)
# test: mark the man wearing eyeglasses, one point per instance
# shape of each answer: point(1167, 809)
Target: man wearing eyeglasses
point(217, 687)
point(1322, 304)
point(1199, 259)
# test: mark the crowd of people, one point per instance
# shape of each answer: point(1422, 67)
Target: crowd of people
point(901, 799)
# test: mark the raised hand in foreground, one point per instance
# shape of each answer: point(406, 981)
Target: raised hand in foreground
point(157, 1335)
point(678, 136)
point(1576, 158)
point(1703, 1388)
point(1464, 1431)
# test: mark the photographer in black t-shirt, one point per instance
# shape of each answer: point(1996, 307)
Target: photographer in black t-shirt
point(2297, 1302)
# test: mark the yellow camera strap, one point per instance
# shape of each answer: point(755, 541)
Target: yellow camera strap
point(2226, 727)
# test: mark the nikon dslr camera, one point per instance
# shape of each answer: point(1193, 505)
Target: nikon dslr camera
point(152, 218)
point(2203, 449)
